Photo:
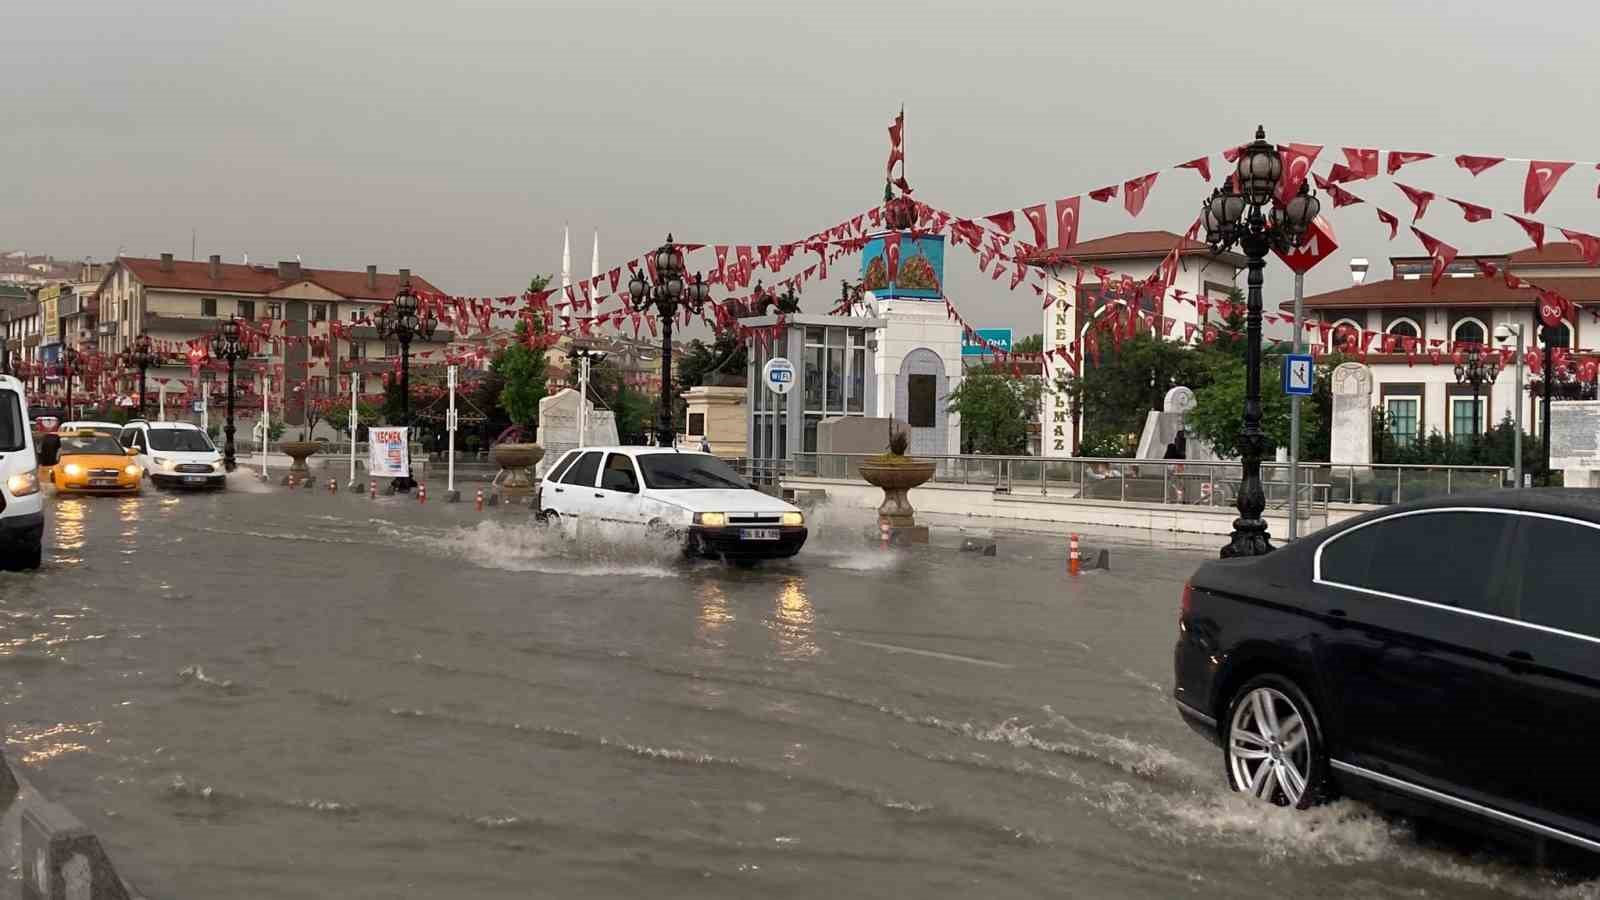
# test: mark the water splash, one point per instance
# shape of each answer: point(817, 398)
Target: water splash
point(606, 550)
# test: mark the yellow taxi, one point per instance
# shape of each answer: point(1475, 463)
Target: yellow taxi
point(93, 463)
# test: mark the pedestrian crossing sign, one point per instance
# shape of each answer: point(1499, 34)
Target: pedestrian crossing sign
point(1297, 374)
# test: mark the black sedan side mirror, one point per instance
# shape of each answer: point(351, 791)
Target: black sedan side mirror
point(49, 449)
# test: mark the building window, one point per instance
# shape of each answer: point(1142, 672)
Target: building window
point(1403, 419)
point(697, 424)
point(247, 309)
point(1461, 417)
point(1404, 328)
point(391, 347)
point(208, 306)
point(319, 312)
point(274, 311)
point(1345, 333)
point(1563, 336)
point(1469, 331)
point(355, 314)
point(358, 349)
point(922, 400)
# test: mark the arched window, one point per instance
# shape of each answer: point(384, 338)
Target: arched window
point(1405, 328)
point(1563, 336)
point(1469, 331)
point(1342, 333)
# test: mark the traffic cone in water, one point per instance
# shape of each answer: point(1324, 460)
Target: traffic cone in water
point(1072, 556)
point(372, 489)
point(480, 500)
point(883, 533)
point(333, 486)
point(422, 493)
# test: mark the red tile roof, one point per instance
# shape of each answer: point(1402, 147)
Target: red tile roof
point(242, 279)
point(1556, 253)
point(1127, 245)
point(1474, 291)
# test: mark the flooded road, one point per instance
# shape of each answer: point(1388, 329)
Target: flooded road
point(265, 694)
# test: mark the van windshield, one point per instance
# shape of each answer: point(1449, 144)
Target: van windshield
point(688, 471)
point(13, 434)
point(182, 440)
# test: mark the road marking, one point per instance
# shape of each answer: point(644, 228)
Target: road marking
point(953, 657)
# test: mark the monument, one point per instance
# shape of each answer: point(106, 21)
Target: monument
point(1575, 441)
point(558, 425)
point(1351, 438)
point(1161, 428)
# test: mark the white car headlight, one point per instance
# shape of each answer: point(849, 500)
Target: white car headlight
point(22, 484)
point(71, 469)
point(794, 518)
point(164, 463)
point(711, 519)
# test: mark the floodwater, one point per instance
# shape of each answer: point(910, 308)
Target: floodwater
point(274, 694)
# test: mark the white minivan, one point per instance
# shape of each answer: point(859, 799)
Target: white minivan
point(21, 503)
point(175, 454)
point(695, 495)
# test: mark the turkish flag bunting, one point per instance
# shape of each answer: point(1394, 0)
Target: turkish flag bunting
point(1389, 220)
point(1136, 191)
point(1041, 229)
point(1398, 158)
point(1006, 221)
point(1201, 164)
point(1534, 229)
point(1297, 160)
point(1477, 165)
point(1104, 194)
point(896, 149)
point(1443, 254)
point(1341, 197)
point(1419, 198)
point(1362, 163)
point(1488, 268)
point(1067, 215)
point(891, 254)
point(1588, 243)
point(1542, 178)
point(1473, 211)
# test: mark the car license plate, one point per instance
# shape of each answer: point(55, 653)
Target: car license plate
point(102, 482)
point(194, 479)
point(758, 534)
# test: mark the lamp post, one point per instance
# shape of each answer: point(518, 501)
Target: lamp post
point(69, 368)
point(1508, 331)
point(587, 355)
point(1236, 215)
point(668, 294)
point(1477, 370)
point(1548, 334)
point(402, 320)
point(225, 345)
point(143, 357)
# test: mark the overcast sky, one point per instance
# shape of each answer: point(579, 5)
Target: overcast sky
point(457, 138)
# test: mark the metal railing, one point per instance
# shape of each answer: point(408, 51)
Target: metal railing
point(1383, 484)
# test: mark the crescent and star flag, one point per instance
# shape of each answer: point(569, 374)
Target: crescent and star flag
point(1542, 178)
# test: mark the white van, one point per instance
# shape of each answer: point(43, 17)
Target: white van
point(695, 495)
point(175, 454)
point(21, 503)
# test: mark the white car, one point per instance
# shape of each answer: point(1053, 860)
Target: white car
point(175, 454)
point(21, 504)
point(695, 495)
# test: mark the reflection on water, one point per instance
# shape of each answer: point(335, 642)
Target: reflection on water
point(42, 744)
point(795, 623)
point(69, 521)
point(713, 615)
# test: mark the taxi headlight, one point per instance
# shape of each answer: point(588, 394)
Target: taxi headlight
point(72, 469)
point(711, 519)
point(22, 484)
point(133, 470)
point(794, 518)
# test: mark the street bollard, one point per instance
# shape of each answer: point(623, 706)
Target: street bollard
point(333, 486)
point(372, 489)
point(422, 492)
point(883, 533)
point(480, 500)
point(1072, 556)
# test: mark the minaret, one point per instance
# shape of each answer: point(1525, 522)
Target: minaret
point(594, 266)
point(566, 256)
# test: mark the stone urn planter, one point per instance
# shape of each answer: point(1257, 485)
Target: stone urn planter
point(516, 462)
point(896, 475)
point(298, 451)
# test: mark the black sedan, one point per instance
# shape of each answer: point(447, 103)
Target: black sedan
point(1440, 656)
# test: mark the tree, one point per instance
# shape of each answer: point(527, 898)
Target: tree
point(631, 408)
point(995, 410)
point(725, 355)
point(525, 373)
point(1033, 343)
point(1130, 379)
point(1218, 415)
point(337, 414)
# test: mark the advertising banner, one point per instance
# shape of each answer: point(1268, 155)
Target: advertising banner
point(900, 265)
point(387, 454)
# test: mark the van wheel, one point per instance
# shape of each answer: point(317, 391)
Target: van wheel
point(1273, 747)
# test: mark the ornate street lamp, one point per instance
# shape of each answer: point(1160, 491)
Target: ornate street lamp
point(402, 321)
point(226, 344)
point(143, 357)
point(668, 294)
point(1477, 370)
point(1236, 216)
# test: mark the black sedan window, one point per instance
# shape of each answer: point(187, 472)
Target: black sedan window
point(1556, 556)
point(1447, 557)
point(588, 466)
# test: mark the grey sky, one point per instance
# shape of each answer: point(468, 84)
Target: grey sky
point(456, 138)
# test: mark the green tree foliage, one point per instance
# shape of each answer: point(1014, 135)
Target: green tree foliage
point(726, 355)
point(995, 410)
point(1130, 379)
point(1033, 343)
point(633, 410)
point(526, 379)
point(338, 416)
point(1218, 415)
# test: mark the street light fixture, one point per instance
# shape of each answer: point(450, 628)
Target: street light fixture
point(144, 357)
point(1477, 370)
point(226, 344)
point(402, 320)
point(587, 355)
point(1506, 332)
point(669, 293)
point(69, 367)
point(1235, 216)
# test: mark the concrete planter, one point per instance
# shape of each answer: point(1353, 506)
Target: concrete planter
point(895, 479)
point(516, 462)
point(298, 451)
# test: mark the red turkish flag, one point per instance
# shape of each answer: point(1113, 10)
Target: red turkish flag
point(1104, 194)
point(1487, 267)
point(1041, 229)
point(891, 254)
point(1361, 162)
point(1473, 211)
point(1542, 178)
point(1419, 198)
point(1588, 243)
point(1341, 197)
point(1534, 229)
point(1006, 221)
point(1136, 191)
point(896, 149)
point(1398, 158)
point(1443, 254)
point(1067, 217)
point(1297, 160)
point(1201, 164)
point(1477, 165)
point(1389, 220)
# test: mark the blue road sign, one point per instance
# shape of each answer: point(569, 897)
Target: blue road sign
point(1298, 375)
point(986, 342)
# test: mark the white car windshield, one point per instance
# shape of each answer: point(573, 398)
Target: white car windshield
point(688, 471)
point(180, 440)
